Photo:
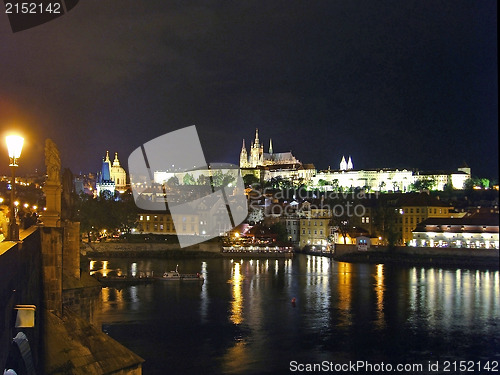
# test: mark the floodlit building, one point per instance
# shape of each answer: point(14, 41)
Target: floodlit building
point(112, 176)
point(272, 165)
point(384, 179)
point(475, 231)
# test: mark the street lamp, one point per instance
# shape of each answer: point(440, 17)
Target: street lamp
point(14, 146)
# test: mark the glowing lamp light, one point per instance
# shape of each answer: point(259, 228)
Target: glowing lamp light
point(26, 205)
point(14, 146)
point(16, 203)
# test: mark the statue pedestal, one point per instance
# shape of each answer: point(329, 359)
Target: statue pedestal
point(52, 216)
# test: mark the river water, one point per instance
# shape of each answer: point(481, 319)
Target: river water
point(241, 319)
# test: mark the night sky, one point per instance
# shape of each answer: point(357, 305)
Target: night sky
point(394, 84)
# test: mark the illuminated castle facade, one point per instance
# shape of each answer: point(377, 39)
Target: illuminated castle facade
point(259, 158)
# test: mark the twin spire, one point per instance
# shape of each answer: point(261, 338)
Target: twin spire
point(345, 166)
point(116, 162)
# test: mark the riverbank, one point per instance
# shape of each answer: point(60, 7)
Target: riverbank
point(149, 250)
point(424, 256)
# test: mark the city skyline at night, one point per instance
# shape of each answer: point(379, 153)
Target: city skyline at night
point(410, 85)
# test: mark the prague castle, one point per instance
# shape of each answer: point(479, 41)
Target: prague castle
point(259, 158)
point(268, 165)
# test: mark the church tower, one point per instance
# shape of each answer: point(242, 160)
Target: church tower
point(349, 163)
point(343, 164)
point(243, 156)
point(118, 174)
point(270, 146)
point(256, 151)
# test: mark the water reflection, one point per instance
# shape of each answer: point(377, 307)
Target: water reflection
point(237, 301)
point(379, 292)
point(241, 319)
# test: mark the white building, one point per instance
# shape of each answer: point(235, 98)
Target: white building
point(384, 179)
point(476, 231)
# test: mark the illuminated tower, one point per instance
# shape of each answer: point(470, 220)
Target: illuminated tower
point(343, 164)
point(243, 156)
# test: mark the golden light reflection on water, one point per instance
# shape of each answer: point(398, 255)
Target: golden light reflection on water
point(237, 301)
point(379, 292)
point(104, 268)
point(237, 358)
point(345, 286)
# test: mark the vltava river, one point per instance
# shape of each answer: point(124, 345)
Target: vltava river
point(241, 319)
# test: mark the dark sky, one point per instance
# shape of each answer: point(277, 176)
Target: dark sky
point(392, 83)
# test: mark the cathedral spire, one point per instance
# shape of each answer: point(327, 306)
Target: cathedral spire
point(349, 163)
point(107, 157)
point(116, 162)
point(270, 146)
point(343, 164)
point(256, 143)
point(243, 147)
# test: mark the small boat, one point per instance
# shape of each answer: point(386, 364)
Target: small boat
point(176, 276)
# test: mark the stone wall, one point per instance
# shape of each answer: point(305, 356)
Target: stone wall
point(209, 247)
point(21, 284)
point(83, 299)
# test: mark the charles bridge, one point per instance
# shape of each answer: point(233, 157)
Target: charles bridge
point(48, 319)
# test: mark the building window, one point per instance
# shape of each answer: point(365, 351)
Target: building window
point(147, 217)
point(161, 227)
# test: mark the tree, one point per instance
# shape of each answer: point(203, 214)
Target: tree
point(250, 180)
point(385, 219)
point(97, 214)
point(228, 179)
point(173, 182)
point(188, 179)
point(203, 180)
point(280, 229)
point(423, 184)
point(218, 178)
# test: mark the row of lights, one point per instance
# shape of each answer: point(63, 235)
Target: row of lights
point(26, 205)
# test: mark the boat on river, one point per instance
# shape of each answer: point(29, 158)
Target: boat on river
point(176, 276)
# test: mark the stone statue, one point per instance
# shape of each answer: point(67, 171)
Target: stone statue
point(52, 162)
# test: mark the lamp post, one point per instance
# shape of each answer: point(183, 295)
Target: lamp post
point(14, 146)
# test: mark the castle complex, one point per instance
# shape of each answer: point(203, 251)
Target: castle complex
point(259, 158)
